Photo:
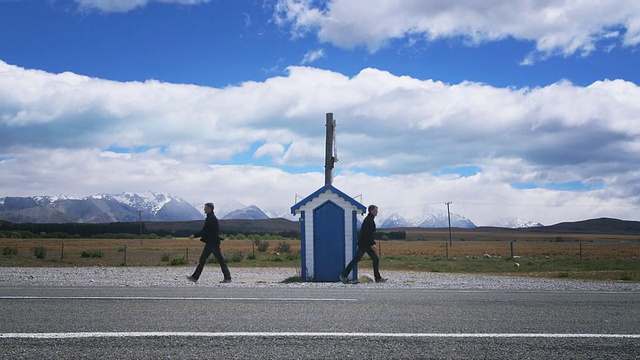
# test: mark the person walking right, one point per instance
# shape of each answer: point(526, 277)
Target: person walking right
point(366, 244)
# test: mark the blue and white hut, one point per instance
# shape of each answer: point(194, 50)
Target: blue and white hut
point(328, 220)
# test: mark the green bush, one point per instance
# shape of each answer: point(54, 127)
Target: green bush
point(236, 257)
point(92, 254)
point(178, 261)
point(262, 245)
point(165, 257)
point(626, 277)
point(283, 247)
point(9, 251)
point(251, 257)
point(40, 252)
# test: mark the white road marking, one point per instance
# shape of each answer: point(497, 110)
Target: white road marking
point(76, 335)
point(168, 298)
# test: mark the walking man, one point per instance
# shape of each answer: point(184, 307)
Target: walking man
point(210, 235)
point(366, 244)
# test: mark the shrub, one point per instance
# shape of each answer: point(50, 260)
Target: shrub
point(92, 254)
point(262, 245)
point(283, 247)
point(293, 256)
point(212, 260)
point(40, 252)
point(236, 257)
point(251, 257)
point(9, 251)
point(277, 259)
point(165, 257)
point(178, 261)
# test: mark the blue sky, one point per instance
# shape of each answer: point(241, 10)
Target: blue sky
point(503, 108)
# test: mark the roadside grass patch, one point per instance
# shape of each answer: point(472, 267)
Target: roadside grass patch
point(40, 252)
point(92, 254)
point(236, 257)
point(292, 279)
point(178, 261)
point(8, 251)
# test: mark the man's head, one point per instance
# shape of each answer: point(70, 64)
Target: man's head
point(373, 210)
point(208, 208)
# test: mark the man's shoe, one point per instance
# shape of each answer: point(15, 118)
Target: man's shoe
point(381, 280)
point(225, 281)
point(343, 279)
point(192, 279)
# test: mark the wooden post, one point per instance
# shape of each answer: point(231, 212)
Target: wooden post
point(446, 249)
point(62, 252)
point(125, 254)
point(329, 159)
point(511, 246)
point(580, 251)
point(449, 218)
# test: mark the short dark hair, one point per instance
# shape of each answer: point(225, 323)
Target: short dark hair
point(371, 208)
point(209, 205)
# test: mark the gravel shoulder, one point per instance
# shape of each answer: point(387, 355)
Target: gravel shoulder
point(256, 277)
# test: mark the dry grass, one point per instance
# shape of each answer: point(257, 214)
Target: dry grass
point(576, 256)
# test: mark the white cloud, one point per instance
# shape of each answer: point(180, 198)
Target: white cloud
point(312, 56)
point(557, 28)
point(128, 5)
point(58, 133)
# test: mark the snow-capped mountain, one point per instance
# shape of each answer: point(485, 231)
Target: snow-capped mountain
point(515, 223)
point(130, 206)
point(250, 212)
point(421, 216)
point(103, 208)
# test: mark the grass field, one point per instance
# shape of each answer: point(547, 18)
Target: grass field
point(573, 256)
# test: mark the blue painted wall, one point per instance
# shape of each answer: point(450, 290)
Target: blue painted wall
point(328, 246)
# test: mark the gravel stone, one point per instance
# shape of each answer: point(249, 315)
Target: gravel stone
point(272, 277)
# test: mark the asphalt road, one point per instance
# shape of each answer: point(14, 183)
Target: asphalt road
point(281, 321)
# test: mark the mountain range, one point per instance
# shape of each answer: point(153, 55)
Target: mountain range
point(150, 206)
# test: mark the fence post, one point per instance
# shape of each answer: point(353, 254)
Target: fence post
point(125, 254)
point(446, 249)
point(62, 252)
point(580, 251)
point(511, 246)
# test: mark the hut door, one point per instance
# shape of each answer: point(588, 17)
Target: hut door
point(328, 242)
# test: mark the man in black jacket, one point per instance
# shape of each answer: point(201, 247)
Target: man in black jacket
point(210, 235)
point(366, 244)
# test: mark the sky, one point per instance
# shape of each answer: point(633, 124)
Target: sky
point(503, 108)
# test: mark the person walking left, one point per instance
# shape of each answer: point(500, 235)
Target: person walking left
point(210, 235)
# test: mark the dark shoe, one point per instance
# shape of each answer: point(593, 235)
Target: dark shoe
point(381, 280)
point(192, 279)
point(343, 279)
point(225, 281)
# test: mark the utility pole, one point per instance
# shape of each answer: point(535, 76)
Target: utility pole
point(140, 222)
point(449, 217)
point(330, 158)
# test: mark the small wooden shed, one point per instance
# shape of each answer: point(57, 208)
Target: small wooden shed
point(329, 234)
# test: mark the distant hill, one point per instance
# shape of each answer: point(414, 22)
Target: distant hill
point(593, 226)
